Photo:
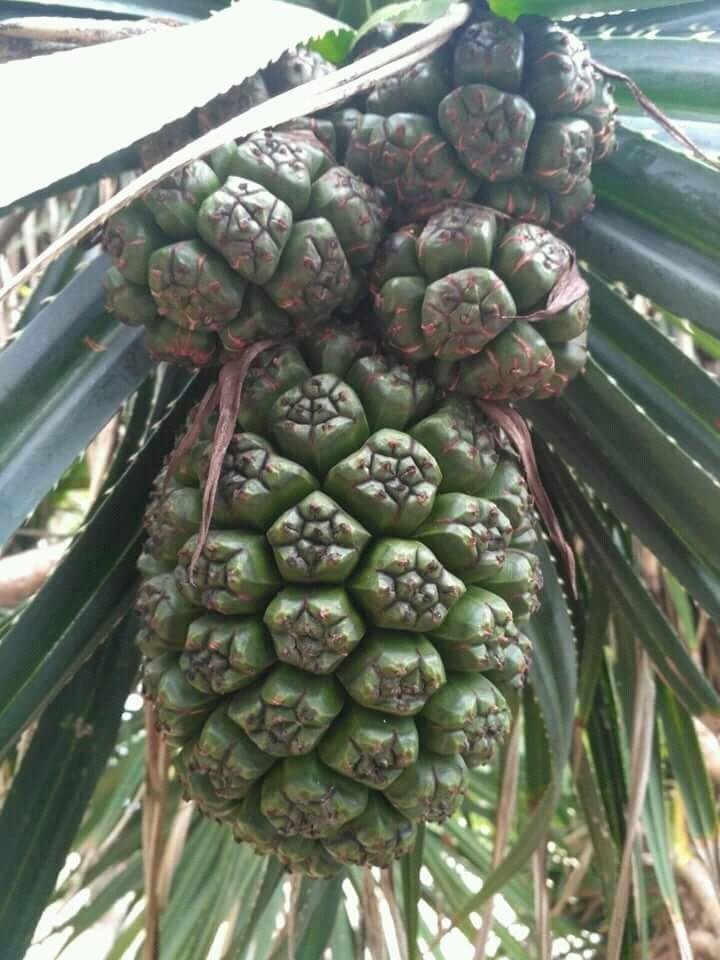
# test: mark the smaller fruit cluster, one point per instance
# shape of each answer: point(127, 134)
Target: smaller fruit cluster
point(463, 293)
point(267, 238)
point(512, 115)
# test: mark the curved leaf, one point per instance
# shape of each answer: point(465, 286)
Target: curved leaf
point(680, 20)
point(701, 131)
point(667, 271)
point(110, 166)
point(65, 621)
point(405, 11)
point(59, 273)
point(48, 797)
point(180, 9)
point(690, 770)
point(73, 90)
point(563, 8)
point(662, 187)
point(198, 881)
point(655, 824)
point(673, 484)
point(668, 653)
point(410, 867)
point(60, 383)
point(675, 392)
point(320, 914)
point(596, 817)
point(680, 75)
point(249, 918)
point(593, 468)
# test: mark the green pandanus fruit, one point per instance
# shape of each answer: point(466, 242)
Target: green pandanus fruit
point(514, 114)
point(469, 294)
point(331, 659)
point(264, 242)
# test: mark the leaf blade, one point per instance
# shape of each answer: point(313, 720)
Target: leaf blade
point(43, 811)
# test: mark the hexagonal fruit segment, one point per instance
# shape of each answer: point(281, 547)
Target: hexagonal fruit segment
point(314, 628)
point(393, 672)
point(370, 747)
point(288, 711)
point(235, 573)
point(390, 483)
point(402, 585)
point(302, 796)
point(316, 541)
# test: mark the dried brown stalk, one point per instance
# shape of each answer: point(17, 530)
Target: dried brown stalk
point(36, 36)
point(507, 800)
point(22, 574)
point(153, 822)
point(517, 430)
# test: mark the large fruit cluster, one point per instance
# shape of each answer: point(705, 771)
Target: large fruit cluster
point(333, 600)
point(335, 660)
point(511, 114)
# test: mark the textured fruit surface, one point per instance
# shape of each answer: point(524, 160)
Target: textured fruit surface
point(516, 104)
point(333, 659)
point(278, 235)
point(265, 241)
point(461, 295)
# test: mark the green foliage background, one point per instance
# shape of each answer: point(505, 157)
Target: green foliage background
point(612, 788)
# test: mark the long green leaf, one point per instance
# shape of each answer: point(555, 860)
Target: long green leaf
point(564, 8)
point(684, 19)
point(60, 625)
point(669, 655)
point(236, 873)
point(60, 383)
point(68, 753)
point(343, 940)
point(113, 165)
point(663, 188)
point(405, 11)
point(197, 882)
point(322, 914)
point(666, 270)
point(248, 919)
point(410, 873)
point(595, 813)
point(127, 939)
point(680, 75)
point(594, 635)
point(689, 769)
point(180, 9)
point(65, 91)
point(676, 393)
point(657, 834)
point(59, 273)
point(128, 880)
point(110, 601)
point(116, 791)
point(594, 469)
point(607, 755)
point(680, 490)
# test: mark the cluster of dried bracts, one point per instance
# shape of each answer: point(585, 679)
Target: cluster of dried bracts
point(334, 590)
